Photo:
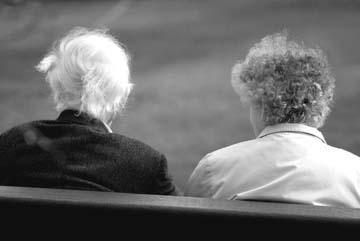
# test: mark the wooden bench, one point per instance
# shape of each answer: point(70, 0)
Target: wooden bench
point(42, 207)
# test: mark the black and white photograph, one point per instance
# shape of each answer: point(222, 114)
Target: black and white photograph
point(181, 114)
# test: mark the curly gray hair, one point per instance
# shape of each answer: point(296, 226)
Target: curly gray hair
point(291, 82)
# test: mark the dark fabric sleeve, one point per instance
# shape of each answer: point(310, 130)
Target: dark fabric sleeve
point(164, 182)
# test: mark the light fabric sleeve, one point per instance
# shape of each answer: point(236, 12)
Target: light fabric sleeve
point(199, 183)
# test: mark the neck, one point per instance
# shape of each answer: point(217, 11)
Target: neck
point(256, 120)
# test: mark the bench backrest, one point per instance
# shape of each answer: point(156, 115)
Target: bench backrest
point(52, 206)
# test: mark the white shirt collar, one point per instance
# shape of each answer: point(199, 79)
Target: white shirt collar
point(107, 127)
point(292, 127)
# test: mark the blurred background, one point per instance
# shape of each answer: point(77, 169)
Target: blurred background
point(182, 54)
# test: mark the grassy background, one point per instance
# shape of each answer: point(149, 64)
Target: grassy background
point(182, 53)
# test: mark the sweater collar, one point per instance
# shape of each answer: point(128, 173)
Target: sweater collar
point(292, 127)
point(82, 118)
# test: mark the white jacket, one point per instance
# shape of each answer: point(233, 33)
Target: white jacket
point(285, 163)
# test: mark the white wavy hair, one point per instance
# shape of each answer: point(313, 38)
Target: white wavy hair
point(88, 70)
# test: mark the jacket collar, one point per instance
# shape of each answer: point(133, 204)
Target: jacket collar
point(82, 118)
point(292, 127)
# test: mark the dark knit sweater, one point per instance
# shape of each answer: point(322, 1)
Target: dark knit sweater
point(78, 152)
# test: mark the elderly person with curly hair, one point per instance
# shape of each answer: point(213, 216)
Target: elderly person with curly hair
point(88, 73)
point(289, 91)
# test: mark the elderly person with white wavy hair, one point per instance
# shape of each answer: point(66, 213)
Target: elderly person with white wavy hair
point(88, 73)
point(289, 89)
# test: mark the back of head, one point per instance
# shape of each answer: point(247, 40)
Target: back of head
point(291, 82)
point(88, 70)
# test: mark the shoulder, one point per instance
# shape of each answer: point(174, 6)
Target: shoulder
point(21, 129)
point(337, 153)
point(208, 177)
point(134, 144)
point(11, 139)
point(135, 149)
point(221, 160)
point(235, 151)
